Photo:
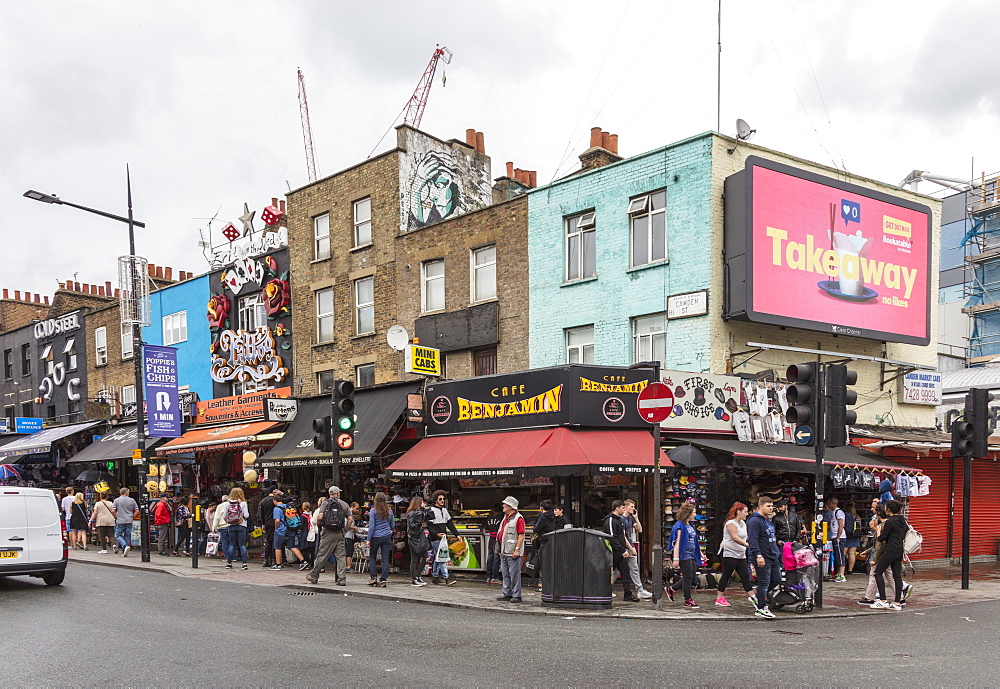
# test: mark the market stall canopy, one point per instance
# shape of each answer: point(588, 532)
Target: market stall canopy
point(377, 410)
point(797, 458)
point(39, 443)
point(220, 438)
point(542, 452)
point(118, 444)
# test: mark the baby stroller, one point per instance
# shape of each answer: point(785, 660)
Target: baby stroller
point(799, 574)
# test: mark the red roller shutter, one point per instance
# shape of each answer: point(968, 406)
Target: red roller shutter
point(930, 514)
point(982, 521)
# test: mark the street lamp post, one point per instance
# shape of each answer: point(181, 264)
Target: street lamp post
point(137, 321)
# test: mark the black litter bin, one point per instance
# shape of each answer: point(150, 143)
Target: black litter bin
point(576, 569)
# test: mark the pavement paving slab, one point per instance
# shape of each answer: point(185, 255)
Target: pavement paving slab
point(933, 587)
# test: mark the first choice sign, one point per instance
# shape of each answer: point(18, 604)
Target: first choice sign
point(423, 360)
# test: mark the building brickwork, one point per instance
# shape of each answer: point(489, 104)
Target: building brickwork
point(17, 311)
point(421, 181)
point(118, 372)
point(504, 226)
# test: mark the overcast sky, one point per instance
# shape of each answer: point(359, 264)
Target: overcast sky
point(200, 99)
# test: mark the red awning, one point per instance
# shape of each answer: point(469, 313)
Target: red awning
point(223, 437)
point(542, 452)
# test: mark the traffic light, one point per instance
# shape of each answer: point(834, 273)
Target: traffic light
point(322, 439)
point(838, 416)
point(961, 437)
point(803, 397)
point(343, 415)
point(977, 413)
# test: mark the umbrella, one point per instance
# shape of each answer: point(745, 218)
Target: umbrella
point(9, 471)
point(94, 476)
point(689, 456)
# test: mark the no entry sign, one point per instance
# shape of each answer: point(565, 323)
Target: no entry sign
point(655, 402)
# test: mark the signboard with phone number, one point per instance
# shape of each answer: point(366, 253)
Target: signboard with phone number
point(922, 387)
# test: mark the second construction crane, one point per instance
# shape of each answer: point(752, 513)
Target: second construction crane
point(418, 101)
point(307, 137)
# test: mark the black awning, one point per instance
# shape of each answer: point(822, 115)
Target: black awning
point(117, 444)
point(377, 409)
point(40, 442)
point(796, 458)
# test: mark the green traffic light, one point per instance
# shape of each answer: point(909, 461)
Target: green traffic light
point(345, 423)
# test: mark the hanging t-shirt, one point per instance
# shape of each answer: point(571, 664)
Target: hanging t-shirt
point(837, 476)
point(741, 422)
point(914, 486)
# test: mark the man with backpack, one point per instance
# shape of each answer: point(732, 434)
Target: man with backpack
point(333, 517)
point(288, 525)
point(162, 516)
point(265, 512)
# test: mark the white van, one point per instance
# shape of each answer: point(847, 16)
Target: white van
point(32, 535)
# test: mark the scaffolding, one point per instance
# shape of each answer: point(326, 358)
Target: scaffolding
point(982, 256)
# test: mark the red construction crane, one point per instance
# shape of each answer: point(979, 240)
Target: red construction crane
point(418, 101)
point(307, 137)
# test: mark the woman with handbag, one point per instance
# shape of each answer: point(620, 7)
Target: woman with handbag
point(78, 520)
point(687, 556)
point(734, 553)
point(103, 517)
point(416, 539)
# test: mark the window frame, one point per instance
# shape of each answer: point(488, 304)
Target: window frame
point(317, 237)
point(488, 354)
point(69, 351)
point(324, 315)
point(645, 210)
point(578, 227)
point(319, 381)
point(424, 284)
point(244, 314)
point(367, 306)
point(581, 348)
point(101, 351)
point(637, 339)
point(362, 222)
point(8, 364)
point(474, 269)
point(129, 339)
point(176, 325)
point(357, 375)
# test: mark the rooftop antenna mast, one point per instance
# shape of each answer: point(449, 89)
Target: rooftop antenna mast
point(307, 137)
point(418, 101)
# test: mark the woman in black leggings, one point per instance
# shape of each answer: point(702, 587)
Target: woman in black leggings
point(734, 553)
point(893, 531)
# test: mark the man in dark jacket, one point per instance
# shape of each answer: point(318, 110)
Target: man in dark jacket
point(762, 550)
point(787, 524)
point(621, 549)
point(265, 513)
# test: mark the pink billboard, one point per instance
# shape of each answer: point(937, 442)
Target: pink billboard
point(827, 255)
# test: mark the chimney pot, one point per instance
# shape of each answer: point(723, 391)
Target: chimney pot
point(38, 298)
point(595, 136)
point(480, 142)
point(470, 137)
point(168, 273)
point(274, 201)
point(107, 287)
point(613, 140)
point(159, 271)
point(510, 170)
point(281, 205)
point(100, 290)
point(46, 299)
point(534, 179)
point(151, 270)
point(5, 293)
point(76, 286)
point(17, 294)
point(117, 293)
point(606, 141)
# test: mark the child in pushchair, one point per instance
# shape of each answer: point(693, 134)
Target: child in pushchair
point(799, 575)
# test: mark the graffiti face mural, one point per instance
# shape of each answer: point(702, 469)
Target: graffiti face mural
point(437, 183)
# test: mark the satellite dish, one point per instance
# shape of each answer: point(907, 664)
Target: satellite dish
point(743, 131)
point(397, 337)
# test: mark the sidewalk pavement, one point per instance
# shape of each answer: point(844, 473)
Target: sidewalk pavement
point(933, 587)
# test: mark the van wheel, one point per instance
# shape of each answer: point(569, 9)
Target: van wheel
point(53, 578)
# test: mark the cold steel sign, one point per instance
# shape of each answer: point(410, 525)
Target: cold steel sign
point(577, 395)
point(813, 252)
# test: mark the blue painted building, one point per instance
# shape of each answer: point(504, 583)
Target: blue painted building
point(608, 247)
point(177, 319)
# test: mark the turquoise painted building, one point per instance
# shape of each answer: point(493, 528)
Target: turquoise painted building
point(608, 247)
point(177, 319)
